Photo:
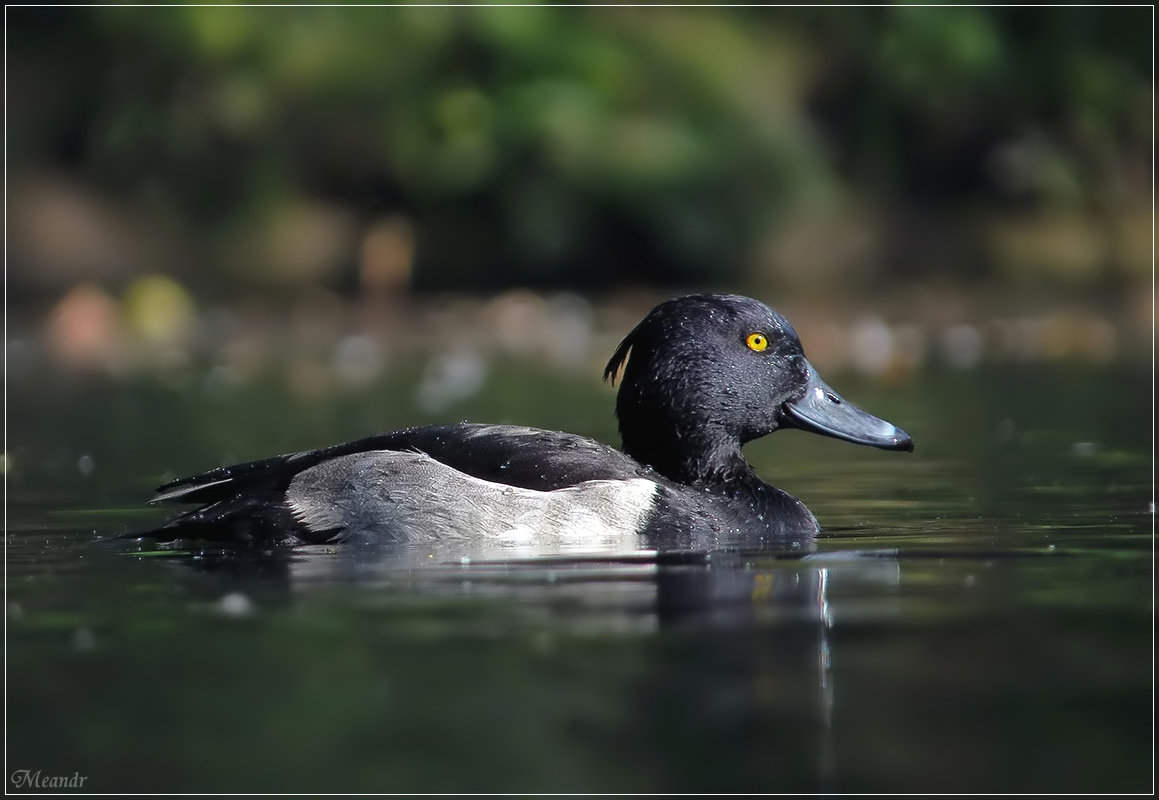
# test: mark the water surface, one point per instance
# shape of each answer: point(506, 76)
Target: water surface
point(976, 616)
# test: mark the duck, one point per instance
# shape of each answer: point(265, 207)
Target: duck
point(700, 376)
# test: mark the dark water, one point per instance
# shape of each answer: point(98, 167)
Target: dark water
point(977, 616)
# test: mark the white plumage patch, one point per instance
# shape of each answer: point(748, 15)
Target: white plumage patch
point(410, 497)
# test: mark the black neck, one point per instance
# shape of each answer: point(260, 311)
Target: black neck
point(704, 457)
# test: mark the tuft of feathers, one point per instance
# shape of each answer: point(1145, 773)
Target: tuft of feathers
point(620, 357)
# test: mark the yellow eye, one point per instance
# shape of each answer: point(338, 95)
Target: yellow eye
point(757, 341)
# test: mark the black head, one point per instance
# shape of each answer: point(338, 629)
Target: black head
point(710, 372)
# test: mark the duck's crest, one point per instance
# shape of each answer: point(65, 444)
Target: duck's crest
point(620, 357)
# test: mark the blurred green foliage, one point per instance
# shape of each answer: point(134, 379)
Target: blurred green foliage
point(582, 146)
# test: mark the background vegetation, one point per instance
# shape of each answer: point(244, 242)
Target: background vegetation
point(787, 150)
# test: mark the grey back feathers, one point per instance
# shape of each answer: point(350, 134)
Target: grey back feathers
point(387, 495)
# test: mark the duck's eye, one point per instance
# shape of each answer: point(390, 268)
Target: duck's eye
point(757, 341)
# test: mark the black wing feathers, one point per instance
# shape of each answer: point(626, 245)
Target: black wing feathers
point(524, 457)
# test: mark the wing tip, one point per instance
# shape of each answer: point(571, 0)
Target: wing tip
point(176, 490)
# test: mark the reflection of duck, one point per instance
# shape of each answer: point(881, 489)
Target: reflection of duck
point(707, 373)
point(749, 657)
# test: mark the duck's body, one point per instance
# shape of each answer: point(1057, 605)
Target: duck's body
point(706, 374)
point(454, 481)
